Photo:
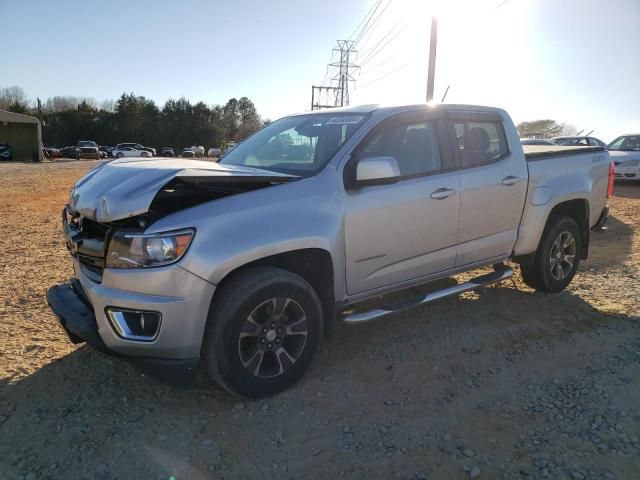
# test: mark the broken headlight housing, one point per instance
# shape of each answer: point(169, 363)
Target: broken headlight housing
point(136, 250)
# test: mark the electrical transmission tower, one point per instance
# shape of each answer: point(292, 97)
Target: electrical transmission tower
point(344, 54)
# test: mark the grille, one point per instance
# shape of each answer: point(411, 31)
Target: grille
point(87, 241)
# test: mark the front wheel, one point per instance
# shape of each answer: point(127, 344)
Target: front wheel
point(119, 155)
point(557, 258)
point(263, 329)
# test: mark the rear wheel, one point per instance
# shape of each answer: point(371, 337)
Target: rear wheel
point(557, 258)
point(263, 330)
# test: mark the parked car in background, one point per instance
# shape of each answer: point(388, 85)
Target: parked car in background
point(578, 142)
point(137, 146)
point(5, 152)
point(535, 141)
point(198, 150)
point(50, 152)
point(106, 150)
point(120, 152)
point(229, 146)
point(87, 149)
point(214, 152)
point(167, 152)
point(625, 153)
point(188, 152)
point(68, 152)
point(178, 270)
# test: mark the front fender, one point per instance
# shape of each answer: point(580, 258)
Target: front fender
point(240, 229)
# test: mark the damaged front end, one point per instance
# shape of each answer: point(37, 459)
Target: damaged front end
point(120, 200)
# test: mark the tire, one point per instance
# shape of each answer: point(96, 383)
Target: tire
point(119, 155)
point(557, 258)
point(273, 352)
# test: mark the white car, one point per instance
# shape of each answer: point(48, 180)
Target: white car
point(625, 153)
point(120, 152)
point(198, 150)
point(230, 146)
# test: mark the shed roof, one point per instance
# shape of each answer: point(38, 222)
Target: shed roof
point(12, 117)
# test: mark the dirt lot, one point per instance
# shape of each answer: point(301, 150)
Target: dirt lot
point(502, 383)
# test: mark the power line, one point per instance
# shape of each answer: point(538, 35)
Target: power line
point(368, 20)
point(386, 75)
point(369, 31)
point(499, 5)
point(391, 57)
point(364, 18)
point(372, 52)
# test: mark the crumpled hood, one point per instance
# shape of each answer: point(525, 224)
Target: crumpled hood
point(126, 187)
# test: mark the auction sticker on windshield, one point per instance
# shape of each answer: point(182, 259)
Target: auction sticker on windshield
point(346, 120)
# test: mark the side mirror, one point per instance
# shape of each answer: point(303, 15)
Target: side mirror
point(377, 171)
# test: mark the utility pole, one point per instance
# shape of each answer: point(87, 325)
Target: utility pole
point(432, 58)
point(340, 82)
point(320, 97)
point(343, 77)
point(39, 110)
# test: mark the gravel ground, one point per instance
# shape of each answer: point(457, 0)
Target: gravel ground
point(502, 383)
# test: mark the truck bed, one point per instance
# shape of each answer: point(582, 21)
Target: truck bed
point(539, 152)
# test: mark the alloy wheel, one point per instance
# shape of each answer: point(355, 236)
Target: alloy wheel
point(562, 256)
point(273, 337)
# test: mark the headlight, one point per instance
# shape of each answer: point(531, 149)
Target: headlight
point(630, 163)
point(133, 250)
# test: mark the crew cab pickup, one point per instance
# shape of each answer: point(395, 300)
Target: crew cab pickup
point(244, 265)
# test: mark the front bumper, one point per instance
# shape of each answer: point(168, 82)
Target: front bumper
point(93, 154)
point(71, 307)
point(181, 298)
point(627, 173)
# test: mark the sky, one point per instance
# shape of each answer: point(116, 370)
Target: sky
point(575, 61)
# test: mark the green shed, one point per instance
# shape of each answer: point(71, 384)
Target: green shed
point(23, 133)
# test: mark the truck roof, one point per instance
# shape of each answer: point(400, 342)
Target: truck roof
point(365, 109)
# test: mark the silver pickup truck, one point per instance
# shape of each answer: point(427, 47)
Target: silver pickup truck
point(245, 265)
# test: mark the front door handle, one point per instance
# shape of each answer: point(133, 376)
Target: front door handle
point(442, 193)
point(510, 180)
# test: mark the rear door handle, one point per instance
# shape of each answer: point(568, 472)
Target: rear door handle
point(442, 193)
point(510, 180)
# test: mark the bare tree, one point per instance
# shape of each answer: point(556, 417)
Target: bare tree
point(12, 97)
point(108, 105)
point(568, 130)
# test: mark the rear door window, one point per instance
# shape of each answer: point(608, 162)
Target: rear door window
point(480, 142)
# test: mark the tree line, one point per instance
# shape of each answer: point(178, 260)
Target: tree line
point(134, 118)
point(545, 128)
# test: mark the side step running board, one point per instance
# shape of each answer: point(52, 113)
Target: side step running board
point(502, 272)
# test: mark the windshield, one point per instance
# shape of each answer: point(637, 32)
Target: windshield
point(631, 142)
point(86, 144)
point(299, 145)
point(571, 141)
